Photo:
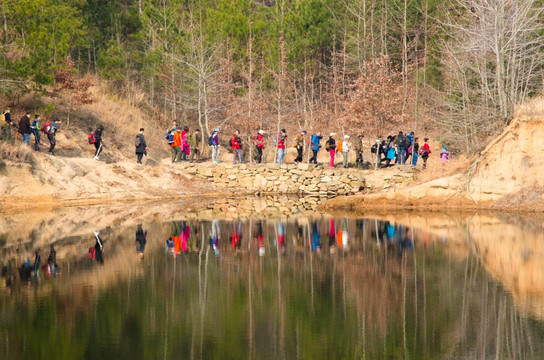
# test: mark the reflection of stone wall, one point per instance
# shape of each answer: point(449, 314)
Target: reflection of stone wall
point(287, 179)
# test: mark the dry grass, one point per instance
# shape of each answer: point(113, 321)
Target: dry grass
point(530, 108)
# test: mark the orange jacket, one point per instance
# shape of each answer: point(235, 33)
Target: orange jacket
point(177, 139)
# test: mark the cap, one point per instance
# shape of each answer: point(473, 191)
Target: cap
point(216, 129)
point(332, 134)
point(261, 131)
point(304, 132)
point(283, 131)
point(346, 136)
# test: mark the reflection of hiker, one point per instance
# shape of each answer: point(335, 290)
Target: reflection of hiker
point(52, 261)
point(185, 234)
point(141, 240)
point(332, 236)
point(281, 237)
point(98, 249)
point(37, 264)
point(7, 273)
point(236, 237)
point(260, 238)
point(192, 245)
point(316, 245)
point(215, 236)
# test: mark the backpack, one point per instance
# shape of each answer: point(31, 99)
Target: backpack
point(327, 145)
point(3, 121)
point(210, 140)
point(92, 253)
point(230, 142)
point(339, 146)
point(170, 138)
point(137, 141)
point(402, 141)
point(92, 138)
point(46, 129)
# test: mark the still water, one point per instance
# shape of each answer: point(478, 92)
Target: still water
point(298, 287)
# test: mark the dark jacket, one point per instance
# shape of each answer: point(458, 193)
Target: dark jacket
point(401, 141)
point(98, 135)
point(24, 125)
point(141, 149)
point(7, 116)
point(332, 143)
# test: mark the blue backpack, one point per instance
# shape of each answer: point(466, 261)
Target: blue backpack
point(170, 138)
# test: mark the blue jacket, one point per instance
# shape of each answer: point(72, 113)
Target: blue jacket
point(215, 139)
point(315, 142)
point(411, 138)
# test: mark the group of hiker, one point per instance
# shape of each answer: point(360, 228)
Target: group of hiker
point(400, 149)
point(26, 127)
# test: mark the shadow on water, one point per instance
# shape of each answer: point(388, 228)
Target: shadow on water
point(167, 282)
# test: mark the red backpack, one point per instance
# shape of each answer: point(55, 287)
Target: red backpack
point(92, 138)
point(47, 129)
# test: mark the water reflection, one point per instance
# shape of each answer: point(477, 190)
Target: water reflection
point(306, 287)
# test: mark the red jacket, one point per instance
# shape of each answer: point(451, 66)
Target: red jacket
point(235, 143)
point(259, 141)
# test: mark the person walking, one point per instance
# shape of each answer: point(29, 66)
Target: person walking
point(24, 127)
point(316, 138)
point(176, 146)
point(36, 129)
point(345, 151)
point(280, 141)
point(425, 152)
point(401, 148)
point(141, 146)
point(194, 143)
point(98, 144)
point(51, 132)
point(444, 155)
point(415, 151)
point(259, 146)
point(215, 145)
point(331, 144)
point(236, 145)
point(299, 145)
point(185, 149)
point(410, 146)
point(6, 124)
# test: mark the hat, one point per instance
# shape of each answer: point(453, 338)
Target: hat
point(216, 130)
point(332, 134)
point(304, 131)
point(283, 131)
point(261, 131)
point(346, 136)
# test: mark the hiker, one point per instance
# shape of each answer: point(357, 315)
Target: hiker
point(98, 144)
point(299, 145)
point(173, 128)
point(330, 146)
point(214, 143)
point(141, 146)
point(194, 143)
point(389, 151)
point(425, 151)
point(410, 146)
point(5, 126)
point(236, 236)
point(185, 150)
point(259, 145)
point(176, 146)
point(359, 160)
point(50, 129)
point(24, 127)
point(36, 129)
point(415, 151)
point(401, 148)
point(345, 151)
point(280, 143)
point(236, 145)
point(316, 138)
point(141, 240)
point(444, 155)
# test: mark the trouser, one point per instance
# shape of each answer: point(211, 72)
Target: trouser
point(139, 157)
point(238, 153)
point(193, 153)
point(401, 155)
point(425, 161)
point(52, 143)
point(183, 155)
point(414, 159)
point(313, 159)
point(6, 133)
point(332, 152)
point(299, 151)
point(281, 155)
point(176, 153)
point(215, 153)
point(37, 139)
point(98, 146)
point(359, 159)
point(259, 157)
point(26, 138)
point(345, 159)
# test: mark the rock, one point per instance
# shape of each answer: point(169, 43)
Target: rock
point(303, 166)
point(345, 180)
point(326, 179)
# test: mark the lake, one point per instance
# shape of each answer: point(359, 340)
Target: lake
point(171, 281)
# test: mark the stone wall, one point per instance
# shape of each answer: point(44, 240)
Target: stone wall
point(302, 179)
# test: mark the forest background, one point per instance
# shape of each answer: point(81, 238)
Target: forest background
point(454, 69)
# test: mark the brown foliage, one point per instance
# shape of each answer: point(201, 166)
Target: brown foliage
point(66, 80)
